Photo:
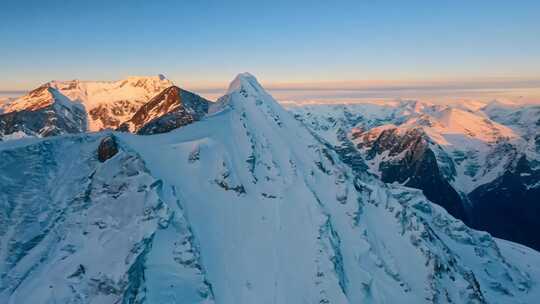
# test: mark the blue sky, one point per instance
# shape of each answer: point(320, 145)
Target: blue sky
point(205, 43)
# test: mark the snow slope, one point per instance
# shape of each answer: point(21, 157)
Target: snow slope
point(74, 230)
point(244, 206)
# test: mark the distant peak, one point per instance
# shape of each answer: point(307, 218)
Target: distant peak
point(247, 82)
point(171, 89)
point(159, 77)
point(501, 103)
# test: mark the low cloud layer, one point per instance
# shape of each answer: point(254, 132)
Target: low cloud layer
point(519, 90)
point(514, 89)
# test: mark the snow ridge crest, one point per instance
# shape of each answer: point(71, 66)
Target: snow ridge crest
point(245, 82)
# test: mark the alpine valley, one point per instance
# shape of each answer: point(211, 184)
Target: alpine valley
point(137, 191)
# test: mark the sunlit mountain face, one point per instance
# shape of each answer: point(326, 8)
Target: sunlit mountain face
point(139, 191)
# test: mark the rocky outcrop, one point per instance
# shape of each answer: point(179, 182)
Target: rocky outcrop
point(107, 148)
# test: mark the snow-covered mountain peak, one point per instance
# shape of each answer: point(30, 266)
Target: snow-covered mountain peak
point(457, 121)
point(245, 82)
point(257, 174)
point(34, 100)
point(414, 106)
point(503, 103)
point(37, 99)
point(147, 81)
point(158, 77)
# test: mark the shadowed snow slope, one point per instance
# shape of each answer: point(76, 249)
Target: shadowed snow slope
point(244, 206)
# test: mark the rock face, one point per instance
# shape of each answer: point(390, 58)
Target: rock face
point(170, 109)
point(107, 148)
point(409, 160)
point(43, 112)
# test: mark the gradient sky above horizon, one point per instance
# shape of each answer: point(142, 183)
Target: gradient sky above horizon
point(203, 44)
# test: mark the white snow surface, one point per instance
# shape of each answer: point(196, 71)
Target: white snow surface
point(245, 206)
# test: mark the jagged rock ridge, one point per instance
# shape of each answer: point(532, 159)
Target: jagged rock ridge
point(169, 110)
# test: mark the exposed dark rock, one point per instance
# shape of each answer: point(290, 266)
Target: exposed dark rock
point(415, 165)
point(238, 188)
point(167, 123)
point(81, 271)
point(107, 148)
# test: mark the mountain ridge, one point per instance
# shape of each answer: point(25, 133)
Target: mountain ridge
point(108, 103)
point(104, 105)
point(170, 109)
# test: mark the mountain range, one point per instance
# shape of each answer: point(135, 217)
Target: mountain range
point(481, 162)
point(138, 191)
point(83, 105)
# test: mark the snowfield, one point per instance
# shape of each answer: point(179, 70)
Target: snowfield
point(244, 206)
